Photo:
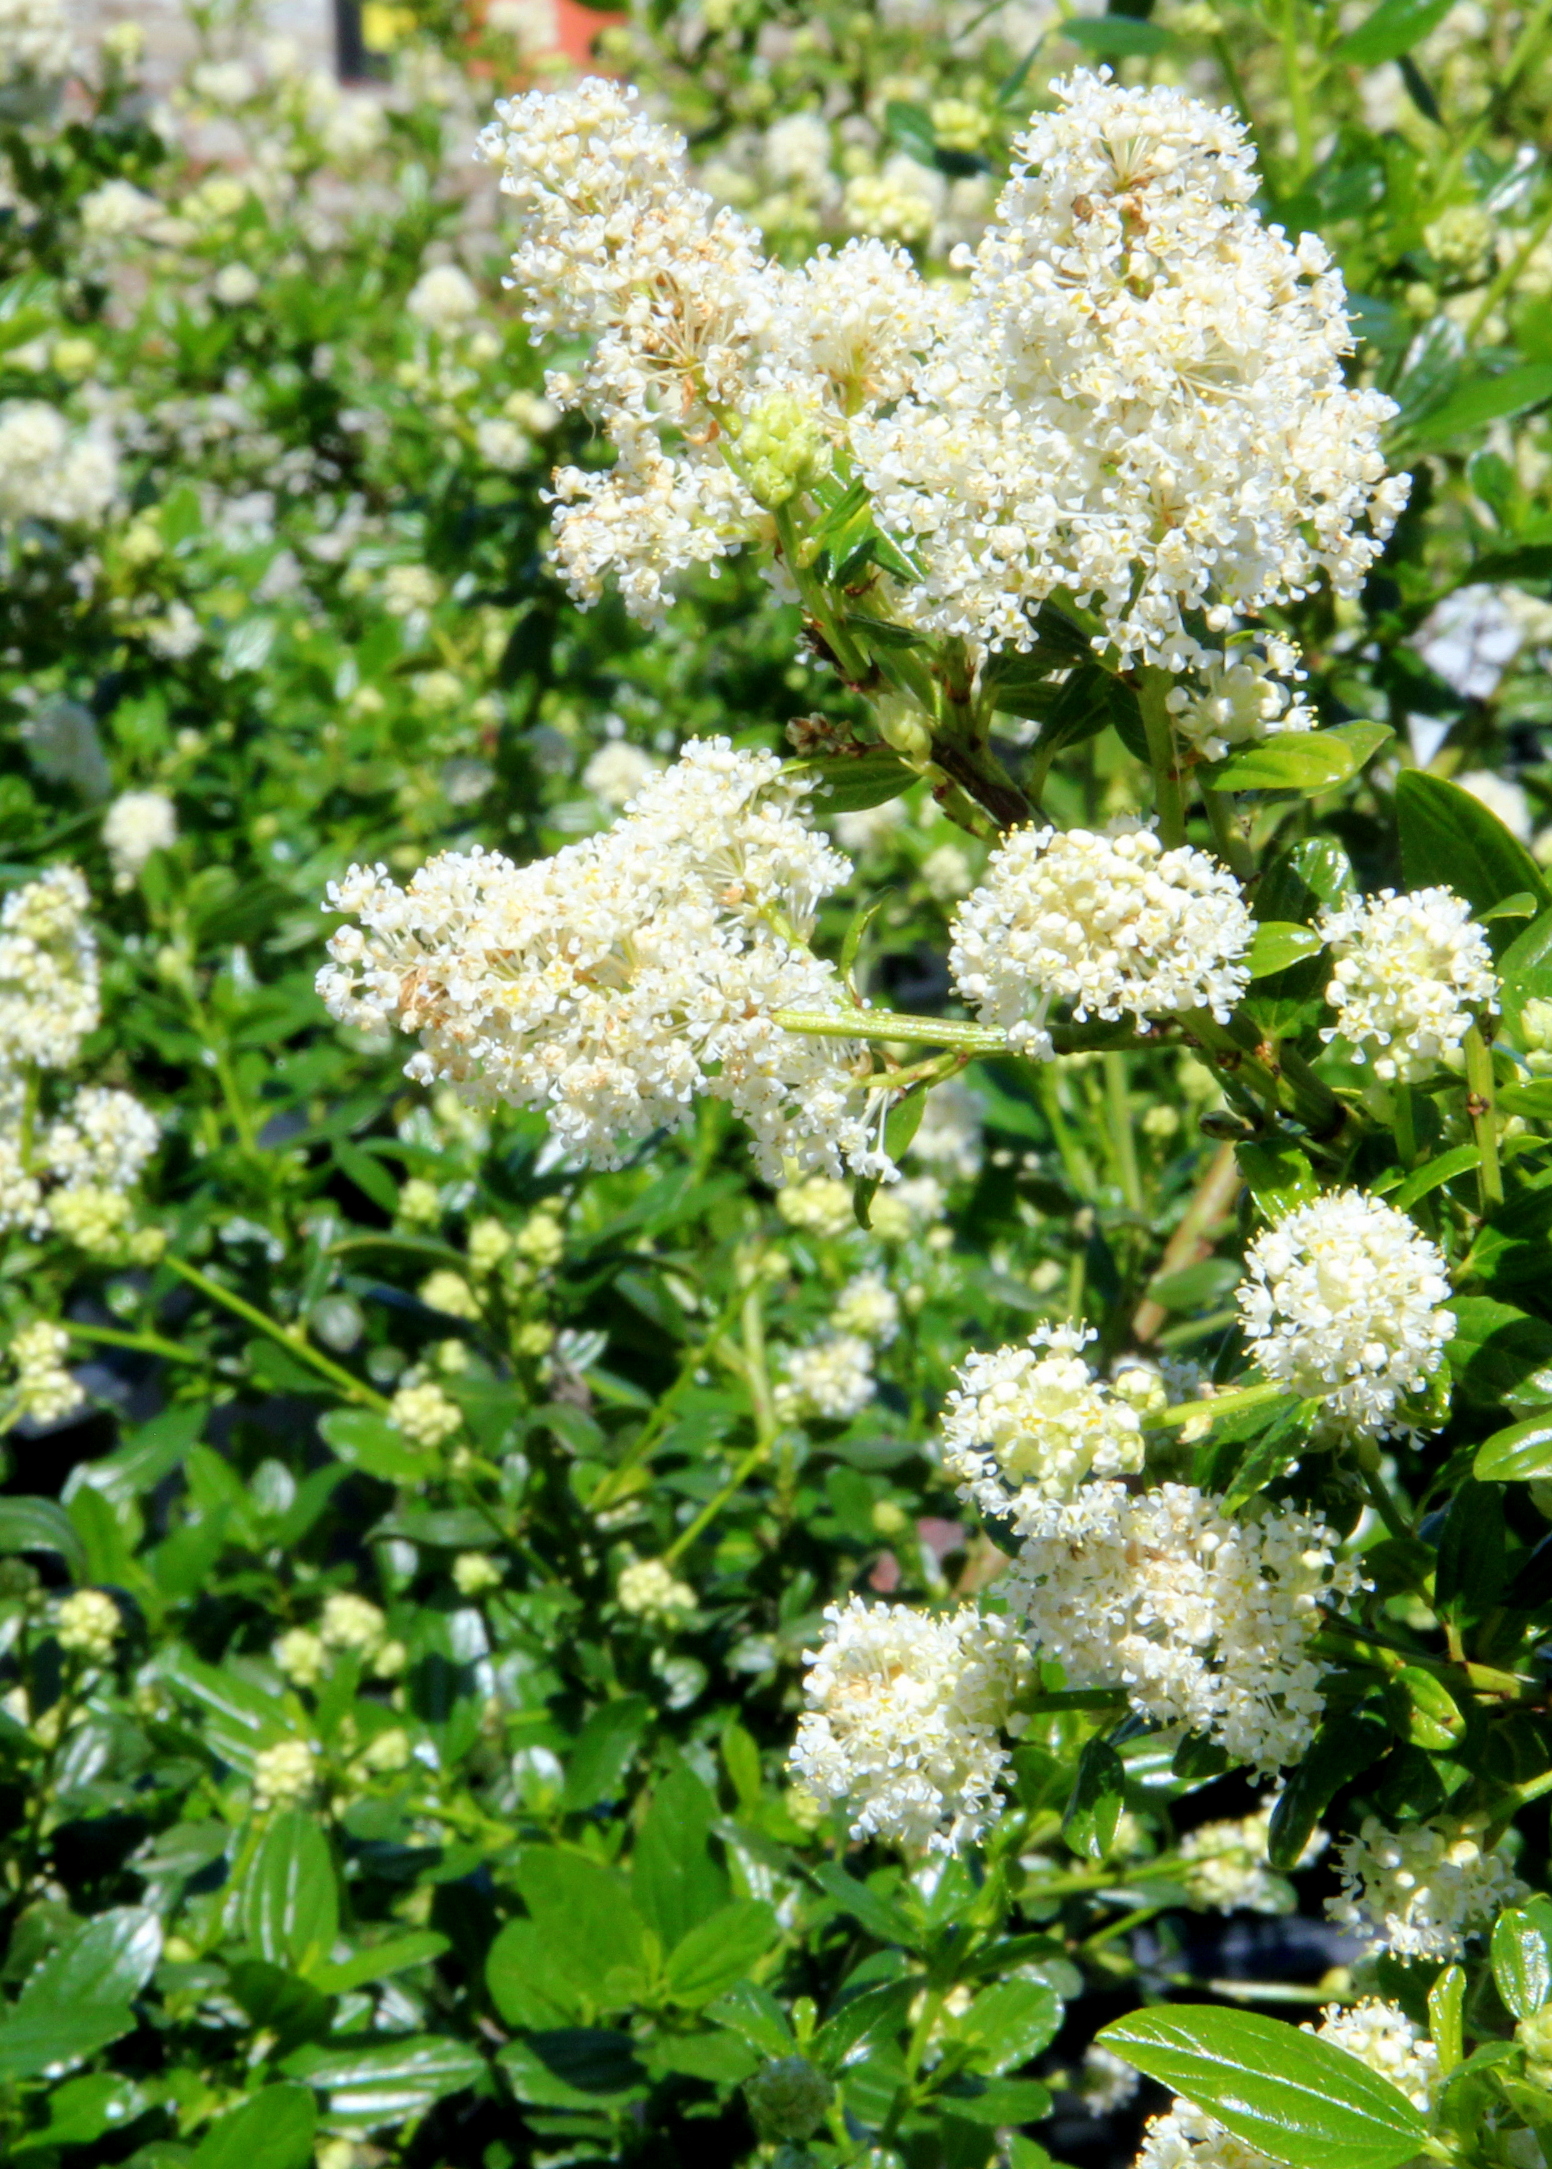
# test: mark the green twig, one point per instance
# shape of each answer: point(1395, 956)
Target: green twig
point(1484, 1117)
point(1153, 695)
point(294, 1345)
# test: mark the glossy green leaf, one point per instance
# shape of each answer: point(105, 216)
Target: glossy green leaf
point(1278, 1176)
point(1449, 837)
point(236, 1718)
point(1341, 1750)
point(1522, 1967)
point(81, 2110)
point(1009, 2023)
point(80, 1998)
point(1115, 37)
point(42, 1525)
point(1393, 29)
point(1446, 2016)
point(996, 2101)
point(1459, 1160)
point(573, 2068)
point(378, 1961)
point(1279, 944)
point(1303, 761)
point(593, 1935)
point(1469, 1577)
point(851, 782)
point(1485, 399)
point(371, 2084)
point(1299, 2099)
point(1500, 1355)
point(753, 2011)
point(272, 2129)
point(1094, 1805)
point(1423, 1710)
point(288, 1899)
point(1522, 1453)
point(674, 1880)
point(370, 1443)
point(719, 1951)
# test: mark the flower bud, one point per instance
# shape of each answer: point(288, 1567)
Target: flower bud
point(787, 2098)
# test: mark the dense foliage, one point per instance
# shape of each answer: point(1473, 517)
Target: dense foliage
point(530, 1632)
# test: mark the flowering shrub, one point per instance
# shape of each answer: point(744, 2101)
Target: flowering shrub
point(776, 1093)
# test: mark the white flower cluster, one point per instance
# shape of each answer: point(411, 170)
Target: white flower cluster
point(1204, 1620)
point(904, 1710)
point(43, 1390)
point(950, 1136)
point(868, 1307)
point(833, 1379)
point(49, 472)
point(693, 332)
point(1344, 1298)
point(89, 1623)
point(650, 1589)
point(35, 41)
point(1032, 1422)
point(283, 1775)
point(617, 771)
point(614, 982)
point(1109, 923)
point(1377, 2034)
point(48, 971)
point(1410, 974)
point(444, 298)
point(135, 825)
point(1236, 700)
point(1227, 1867)
point(1141, 400)
point(1422, 1890)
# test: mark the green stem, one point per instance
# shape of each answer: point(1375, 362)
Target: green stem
point(1510, 273)
point(612, 1486)
point(293, 1344)
point(890, 1024)
point(1484, 1117)
point(1405, 1125)
point(1233, 849)
point(1124, 1144)
point(1296, 82)
point(1153, 694)
point(150, 1344)
point(1222, 1404)
point(755, 1372)
point(1384, 1505)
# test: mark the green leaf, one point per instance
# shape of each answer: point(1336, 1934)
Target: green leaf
point(1009, 2023)
point(596, 1936)
point(1521, 1454)
point(378, 1961)
point(81, 2110)
point(1525, 970)
point(278, 2001)
point(1302, 761)
point(720, 1951)
point(1112, 37)
point(1278, 1176)
point(1483, 400)
point(150, 1452)
point(1446, 2016)
point(604, 1750)
point(1423, 1711)
point(1501, 1355)
point(882, 1919)
point(238, 1718)
point(1278, 944)
point(869, 2015)
point(1521, 1966)
point(997, 2101)
point(1393, 29)
point(753, 2012)
point(573, 2068)
point(1460, 1160)
point(370, 1443)
point(1298, 2099)
point(1341, 1750)
point(376, 2083)
point(42, 1525)
point(1469, 1577)
point(288, 1900)
point(79, 1998)
point(272, 2129)
point(1450, 837)
point(851, 782)
point(1094, 1805)
point(674, 1880)
point(368, 1174)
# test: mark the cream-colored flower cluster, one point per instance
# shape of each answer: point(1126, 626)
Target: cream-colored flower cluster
point(1422, 1890)
point(904, 1714)
point(42, 1390)
point(1032, 1422)
point(1206, 1621)
point(1110, 924)
point(1238, 699)
point(88, 1624)
point(135, 825)
point(49, 471)
point(1141, 401)
point(1345, 1299)
point(1227, 1866)
point(1411, 973)
point(35, 41)
point(614, 982)
point(833, 1379)
point(1377, 2034)
point(650, 1589)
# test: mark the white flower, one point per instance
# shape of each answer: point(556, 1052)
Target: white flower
point(617, 771)
point(235, 285)
point(351, 1622)
point(282, 1775)
point(832, 1379)
point(1377, 2034)
point(1422, 1890)
point(408, 589)
point(35, 41)
point(1411, 973)
point(174, 634)
point(1141, 401)
point(449, 1293)
point(443, 298)
point(950, 1134)
point(1237, 701)
point(1204, 1620)
point(474, 1572)
point(869, 828)
point(1107, 2083)
point(89, 1623)
point(302, 1656)
point(1108, 924)
point(104, 1141)
point(1032, 1422)
point(650, 1589)
point(908, 1209)
point(1228, 1867)
point(49, 472)
point(904, 1710)
point(48, 971)
point(1344, 1299)
point(117, 209)
point(135, 825)
point(1502, 796)
point(424, 1414)
point(868, 1307)
point(820, 1206)
point(613, 982)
